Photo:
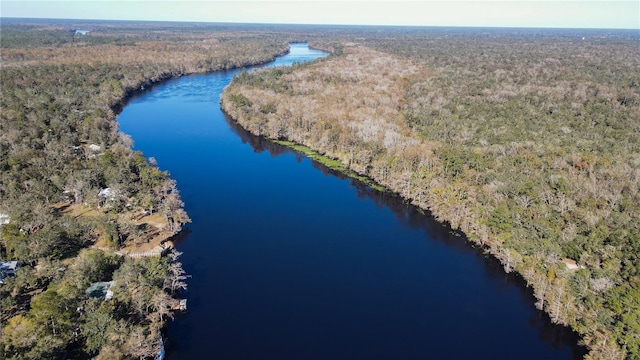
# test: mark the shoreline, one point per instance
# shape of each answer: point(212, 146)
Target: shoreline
point(491, 260)
point(104, 89)
point(143, 86)
point(334, 161)
point(147, 85)
point(331, 163)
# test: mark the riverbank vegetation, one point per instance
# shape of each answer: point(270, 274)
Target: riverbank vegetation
point(526, 140)
point(79, 207)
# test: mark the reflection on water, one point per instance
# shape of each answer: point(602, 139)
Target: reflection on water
point(293, 261)
point(556, 337)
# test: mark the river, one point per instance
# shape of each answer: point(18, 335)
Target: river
point(291, 261)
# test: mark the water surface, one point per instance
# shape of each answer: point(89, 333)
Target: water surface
point(290, 261)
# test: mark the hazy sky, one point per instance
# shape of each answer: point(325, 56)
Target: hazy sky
point(516, 13)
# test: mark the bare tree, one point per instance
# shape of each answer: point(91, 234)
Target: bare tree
point(177, 276)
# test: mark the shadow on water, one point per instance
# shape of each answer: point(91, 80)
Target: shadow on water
point(287, 264)
point(553, 335)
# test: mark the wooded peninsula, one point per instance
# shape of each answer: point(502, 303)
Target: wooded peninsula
point(526, 140)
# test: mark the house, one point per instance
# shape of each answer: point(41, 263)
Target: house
point(179, 304)
point(101, 289)
point(572, 264)
point(7, 268)
point(80, 32)
point(106, 193)
point(4, 219)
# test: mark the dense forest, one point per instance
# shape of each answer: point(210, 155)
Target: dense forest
point(528, 141)
point(84, 216)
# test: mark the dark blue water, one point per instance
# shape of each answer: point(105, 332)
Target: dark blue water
point(290, 261)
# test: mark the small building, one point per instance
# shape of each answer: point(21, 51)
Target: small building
point(7, 268)
point(100, 289)
point(572, 264)
point(109, 194)
point(179, 304)
point(4, 219)
point(80, 32)
point(106, 193)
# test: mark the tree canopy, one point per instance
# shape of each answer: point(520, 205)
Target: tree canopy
point(526, 140)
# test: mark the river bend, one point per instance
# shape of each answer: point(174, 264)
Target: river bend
point(291, 261)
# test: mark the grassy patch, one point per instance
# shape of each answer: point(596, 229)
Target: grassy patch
point(332, 164)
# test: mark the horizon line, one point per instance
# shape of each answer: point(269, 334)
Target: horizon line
point(315, 24)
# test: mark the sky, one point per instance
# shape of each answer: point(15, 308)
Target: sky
point(613, 14)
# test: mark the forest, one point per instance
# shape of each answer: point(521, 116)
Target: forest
point(526, 140)
point(85, 218)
